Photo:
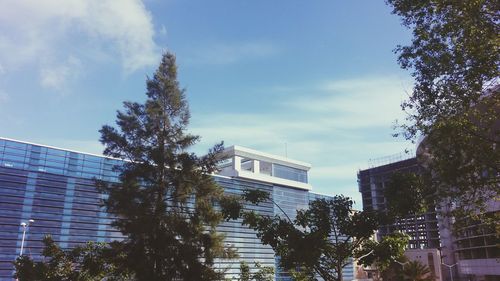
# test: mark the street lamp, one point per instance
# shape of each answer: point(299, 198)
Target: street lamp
point(25, 228)
point(401, 263)
point(450, 266)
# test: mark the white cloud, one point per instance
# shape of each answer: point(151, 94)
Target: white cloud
point(338, 129)
point(59, 76)
point(229, 53)
point(32, 31)
point(352, 103)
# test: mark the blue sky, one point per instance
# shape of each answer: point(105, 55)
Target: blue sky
point(318, 77)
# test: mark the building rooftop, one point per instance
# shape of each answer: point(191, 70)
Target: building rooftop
point(239, 162)
point(256, 165)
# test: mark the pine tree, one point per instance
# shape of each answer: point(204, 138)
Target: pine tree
point(164, 202)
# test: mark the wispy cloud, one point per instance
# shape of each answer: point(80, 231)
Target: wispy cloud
point(58, 76)
point(3, 97)
point(163, 30)
point(367, 102)
point(32, 32)
point(333, 128)
point(228, 53)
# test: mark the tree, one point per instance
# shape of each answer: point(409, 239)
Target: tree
point(455, 104)
point(381, 255)
point(89, 262)
point(416, 271)
point(263, 273)
point(164, 201)
point(393, 272)
point(320, 240)
point(407, 194)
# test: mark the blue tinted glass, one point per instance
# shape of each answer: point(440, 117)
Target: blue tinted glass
point(18, 145)
point(289, 173)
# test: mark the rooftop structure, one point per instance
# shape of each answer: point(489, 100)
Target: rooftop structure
point(255, 165)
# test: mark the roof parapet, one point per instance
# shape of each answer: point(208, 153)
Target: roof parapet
point(260, 166)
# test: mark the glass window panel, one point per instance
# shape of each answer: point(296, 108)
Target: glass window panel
point(289, 173)
point(18, 145)
point(56, 152)
point(14, 157)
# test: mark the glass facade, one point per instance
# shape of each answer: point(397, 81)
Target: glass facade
point(477, 239)
point(289, 173)
point(55, 187)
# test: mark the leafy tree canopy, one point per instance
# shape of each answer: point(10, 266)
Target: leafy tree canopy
point(320, 240)
point(454, 59)
point(262, 273)
point(407, 194)
point(89, 262)
point(390, 249)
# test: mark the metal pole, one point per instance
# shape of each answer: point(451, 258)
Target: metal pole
point(22, 241)
point(25, 228)
point(449, 267)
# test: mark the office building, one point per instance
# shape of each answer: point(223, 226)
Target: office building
point(468, 254)
point(472, 252)
point(55, 187)
point(422, 229)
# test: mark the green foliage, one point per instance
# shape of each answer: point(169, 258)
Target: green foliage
point(320, 240)
point(408, 194)
point(262, 273)
point(164, 203)
point(84, 263)
point(416, 271)
point(231, 207)
point(464, 167)
point(382, 254)
point(301, 275)
point(453, 55)
point(394, 271)
point(244, 272)
point(255, 196)
point(454, 59)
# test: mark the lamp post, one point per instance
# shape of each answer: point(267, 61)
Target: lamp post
point(449, 266)
point(401, 263)
point(25, 228)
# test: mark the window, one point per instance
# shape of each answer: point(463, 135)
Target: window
point(289, 173)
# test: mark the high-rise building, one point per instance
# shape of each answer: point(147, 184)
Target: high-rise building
point(422, 229)
point(55, 188)
point(471, 252)
point(467, 254)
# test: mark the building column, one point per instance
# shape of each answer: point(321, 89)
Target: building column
point(256, 166)
point(237, 163)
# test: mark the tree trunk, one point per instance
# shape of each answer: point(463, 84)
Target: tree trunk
point(339, 273)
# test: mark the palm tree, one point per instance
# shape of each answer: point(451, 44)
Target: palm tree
point(416, 271)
